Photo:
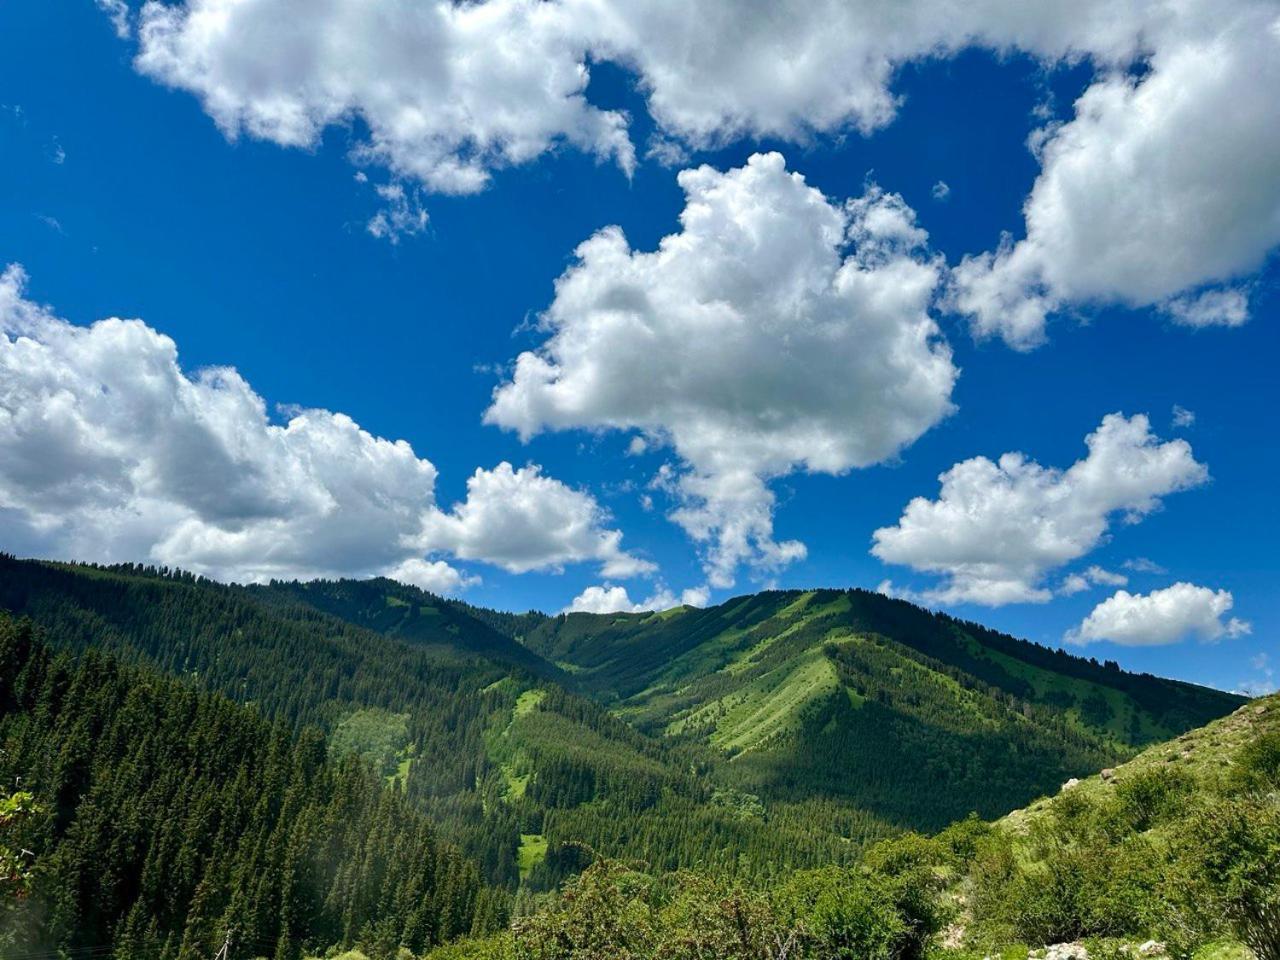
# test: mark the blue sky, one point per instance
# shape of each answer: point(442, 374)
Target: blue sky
point(121, 197)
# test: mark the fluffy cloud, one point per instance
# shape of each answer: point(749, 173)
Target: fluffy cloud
point(614, 599)
point(109, 451)
point(997, 529)
point(777, 331)
point(1213, 308)
point(522, 521)
point(434, 576)
point(1160, 617)
point(448, 91)
point(1164, 181)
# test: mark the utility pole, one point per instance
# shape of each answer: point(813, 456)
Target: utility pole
point(225, 952)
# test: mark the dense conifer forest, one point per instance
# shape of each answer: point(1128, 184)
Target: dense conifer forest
point(166, 818)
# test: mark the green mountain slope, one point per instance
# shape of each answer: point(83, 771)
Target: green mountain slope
point(1174, 855)
point(914, 716)
point(656, 665)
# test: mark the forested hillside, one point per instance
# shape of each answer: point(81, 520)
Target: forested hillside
point(165, 818)
point(750, 739)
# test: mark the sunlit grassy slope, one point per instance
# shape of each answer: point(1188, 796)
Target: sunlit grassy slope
point(851, 694)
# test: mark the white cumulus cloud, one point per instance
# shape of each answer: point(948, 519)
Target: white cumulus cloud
point(448, 91)
point(1212, 308)
point(610, 598)
point(998, 528)
point(109, 451)
point(1163, 182)
point(434, 576)
point(1160, 617)
point(522, 520)
point(776, 331)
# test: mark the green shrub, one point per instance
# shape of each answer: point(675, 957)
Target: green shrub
point(1153, 796)
point(606, 913)
point(961, 840)
point(713, 920)
point(16, 811)
point(1079, 883)
point(843, 914)
point(1258, 764)
point(912, 867)
point(488, 948)
point(1232, 847)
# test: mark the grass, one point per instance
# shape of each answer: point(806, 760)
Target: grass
point(527, 702)
point(533, 850)
point(400, 779)
point(765, 707)
point(501, 748)
point(1223, 950)
point(516, 784)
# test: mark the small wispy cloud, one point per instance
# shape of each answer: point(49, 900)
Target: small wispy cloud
point(403, 216)
point(118, 13)
point(1264, 682)
point(1143, 565)
point(51, 222)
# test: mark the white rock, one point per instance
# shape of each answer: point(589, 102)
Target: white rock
point(1066, 951)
